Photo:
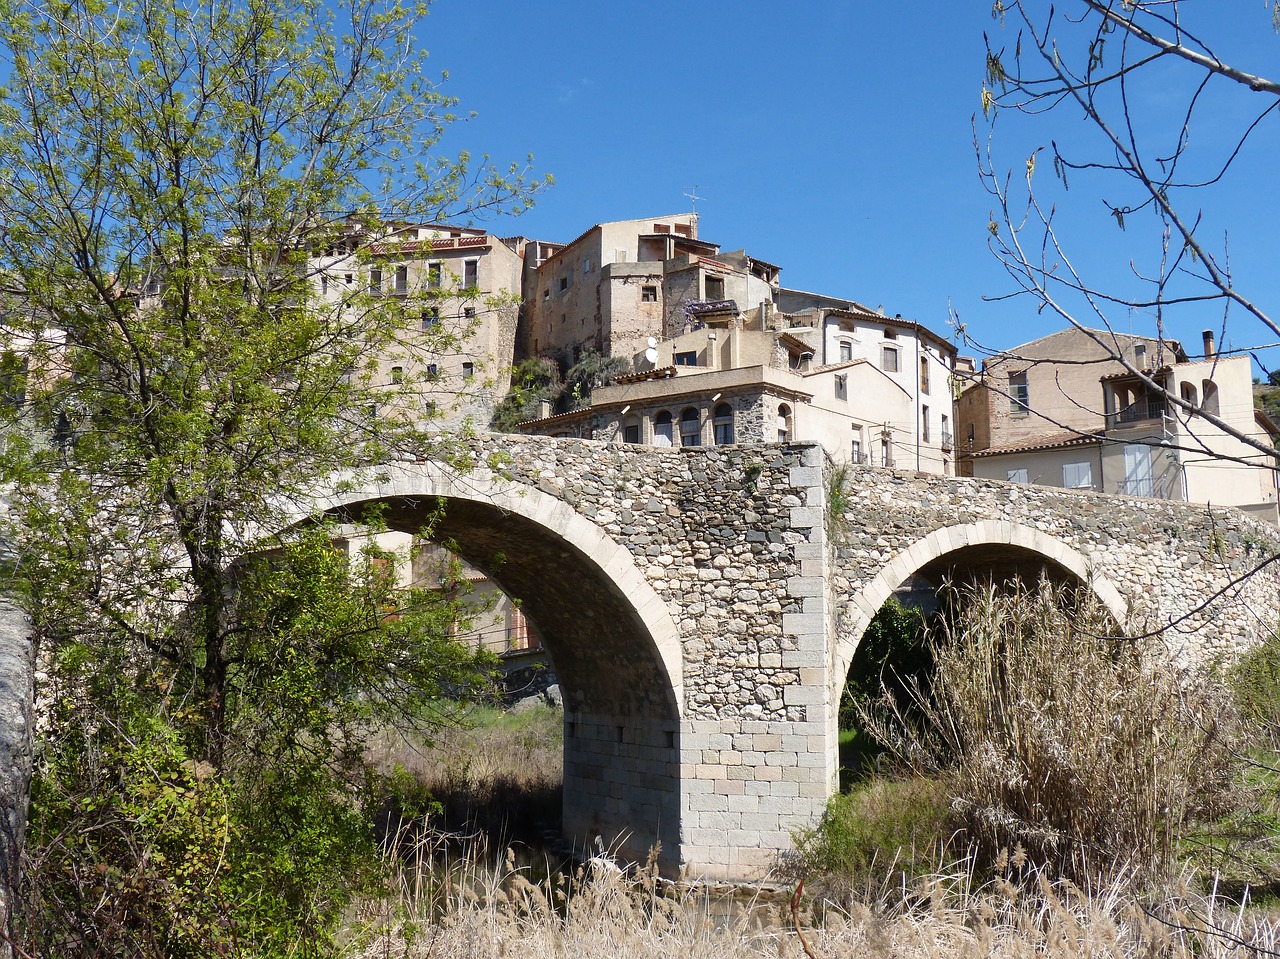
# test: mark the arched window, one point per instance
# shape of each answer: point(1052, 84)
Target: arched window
point(723, 425)
point(1189, 394)
point(784, 423)
point(1209, 390)
point(690, 428)
point(662, 429)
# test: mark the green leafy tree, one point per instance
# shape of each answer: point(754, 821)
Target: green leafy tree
point(176, 176)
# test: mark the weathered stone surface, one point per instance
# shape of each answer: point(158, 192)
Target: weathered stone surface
point(702, 607)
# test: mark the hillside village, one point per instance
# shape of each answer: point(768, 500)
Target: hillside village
point(686, 344)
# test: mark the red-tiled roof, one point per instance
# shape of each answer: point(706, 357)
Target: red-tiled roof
point(1045, 441)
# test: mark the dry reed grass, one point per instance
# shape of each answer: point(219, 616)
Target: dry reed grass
point(1081, 748)
point(607, 914)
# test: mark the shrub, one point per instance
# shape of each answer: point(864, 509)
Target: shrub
point(877, 834)
point(1085, 750)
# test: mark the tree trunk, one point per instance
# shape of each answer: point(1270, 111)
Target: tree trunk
point(17, 677)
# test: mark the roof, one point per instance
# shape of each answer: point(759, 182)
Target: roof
point(828, 367)
point(658, 373)
point(568, 417)
point(1045, 441)
point(1126, 374)
point(865, 314)
point(1174, 345)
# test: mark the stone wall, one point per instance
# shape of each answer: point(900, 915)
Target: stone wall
point(702, 606)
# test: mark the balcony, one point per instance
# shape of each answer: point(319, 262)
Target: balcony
point(946, 441)
point(1140, 410)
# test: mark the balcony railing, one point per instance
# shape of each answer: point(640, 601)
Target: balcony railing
point(946, 440)
point(1147, 408)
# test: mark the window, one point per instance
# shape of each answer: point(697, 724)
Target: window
point(1019, 398)
point(545, 294)
point(890, 334)
point(375, 280)
point(1209, 390)
point(924, 374)
point(842, 387)
point(924, 424)
point(1137, 470)
point(688, 358)
point(855, 451)
point(586, 265)
point(471, 274)
point(564, 283)
point(434, 272)
point(324, 284)
point(662, 429)
point(468, 369)
point(1189, 396)
point(1077, 475)
point(631, 431)
point(784, 423)
point(430, 317)
point(402, 279)
point(1018, 475)
point(723, 425)
point(648, 294)
point(946, 431)
point(433, 371)
point(889, 359)
point(348, 278)
point(469, 313)
point(846, 351)
point(397, 374)
point(690, 428)
point(715, 288)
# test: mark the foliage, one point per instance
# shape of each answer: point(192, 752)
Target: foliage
point(260, 856)
point(882, 831)
point(566, 386)
point(173, 174)
point(892, 659)
point(532, 380)
point(592, 370)
point(1090, 753)
point(1255, 680)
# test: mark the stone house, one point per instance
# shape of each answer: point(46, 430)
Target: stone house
point(619, 284)
point(1064, 411)
point(459, 289)
point(731, 385)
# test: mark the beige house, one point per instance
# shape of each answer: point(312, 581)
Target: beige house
point(620, 284)
point(459, 289)
point(731, 385)
point(1061, 411)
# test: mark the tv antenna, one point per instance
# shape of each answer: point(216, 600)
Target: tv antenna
point(692, 194)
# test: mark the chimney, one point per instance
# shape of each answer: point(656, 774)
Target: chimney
point(544, 409)
point(1208, 344)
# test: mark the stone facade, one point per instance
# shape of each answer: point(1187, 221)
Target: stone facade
point(702, 607)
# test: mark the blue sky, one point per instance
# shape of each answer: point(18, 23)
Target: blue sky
point(831, 138)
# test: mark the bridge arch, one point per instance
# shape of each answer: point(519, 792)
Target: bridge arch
point(615, 645)
point(987, 544)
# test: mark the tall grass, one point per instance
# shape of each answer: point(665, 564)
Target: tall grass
point(498, 774)
point(1089, 752)
point(490, 913)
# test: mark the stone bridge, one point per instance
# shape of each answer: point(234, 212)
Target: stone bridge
point(702, 606)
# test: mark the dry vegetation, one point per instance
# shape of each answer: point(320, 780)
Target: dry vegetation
point(497, 913)
point(1060, 794)
point(498, 775)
